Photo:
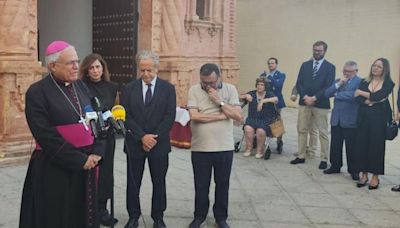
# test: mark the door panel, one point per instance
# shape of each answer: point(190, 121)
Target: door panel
point(115, 26)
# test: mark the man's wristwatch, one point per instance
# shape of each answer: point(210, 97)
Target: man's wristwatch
point(221, 104)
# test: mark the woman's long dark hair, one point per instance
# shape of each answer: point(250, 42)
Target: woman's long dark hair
point(87, 62)
point(386, 70)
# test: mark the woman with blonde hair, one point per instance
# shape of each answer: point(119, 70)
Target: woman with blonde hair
point(373, 115)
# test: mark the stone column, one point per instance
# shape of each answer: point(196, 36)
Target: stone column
point(191, 10)
point(19, 68)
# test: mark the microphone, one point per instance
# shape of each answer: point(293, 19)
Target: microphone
point(118, 111)
point(97, 108)
point(91, 118)
point(109, 118)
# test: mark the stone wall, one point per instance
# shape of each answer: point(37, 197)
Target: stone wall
point(359, 30)
point(18, 70)
point(185, 41)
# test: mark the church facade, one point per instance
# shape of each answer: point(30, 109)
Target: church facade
point(185, 33)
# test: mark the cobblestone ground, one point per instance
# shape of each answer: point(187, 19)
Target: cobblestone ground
point(269, 193)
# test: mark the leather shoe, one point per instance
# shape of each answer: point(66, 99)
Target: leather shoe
point(322, 165)
point(132, 223)
point(331, 170)
point(159, 223)
point(355, 176)
point(106, 219)
point(396, 188)
point(222, 224)
point(197, 223)
point(297, 161)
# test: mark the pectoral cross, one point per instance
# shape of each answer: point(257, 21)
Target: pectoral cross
point(82, 121)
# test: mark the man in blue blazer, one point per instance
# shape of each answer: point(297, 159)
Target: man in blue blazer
point(150, 104)
point(315, 76)
point(344, 119)
point(276, 78)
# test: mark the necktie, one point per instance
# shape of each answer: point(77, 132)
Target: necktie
point(149, 95)
point(315, 69)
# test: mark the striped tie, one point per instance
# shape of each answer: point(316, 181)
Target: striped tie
point(315, 70)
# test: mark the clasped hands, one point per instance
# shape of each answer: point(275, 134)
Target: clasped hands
point(309, 101)
point(92, 161)
point(149, 141)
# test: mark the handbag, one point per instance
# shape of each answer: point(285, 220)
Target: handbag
point(277, 127)
point(392, 129)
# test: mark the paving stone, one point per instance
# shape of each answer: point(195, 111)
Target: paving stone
point(271, 194)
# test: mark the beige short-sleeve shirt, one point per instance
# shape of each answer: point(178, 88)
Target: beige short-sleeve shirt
point(214, 136)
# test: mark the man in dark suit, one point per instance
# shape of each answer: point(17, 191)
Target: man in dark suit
point(344, 119)
point(150, 104)
point(276, 78)
point(315, 76)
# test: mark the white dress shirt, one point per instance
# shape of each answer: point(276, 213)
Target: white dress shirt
point(145, 86)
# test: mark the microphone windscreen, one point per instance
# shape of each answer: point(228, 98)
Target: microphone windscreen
point(88, 108)
point(107, 115)
point(118, 112)
point(96, 104)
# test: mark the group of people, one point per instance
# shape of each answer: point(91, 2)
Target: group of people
point(69, 181)
point(359, 118)
point(360, 114)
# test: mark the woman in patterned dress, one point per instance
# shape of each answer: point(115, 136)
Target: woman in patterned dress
point(261, 114)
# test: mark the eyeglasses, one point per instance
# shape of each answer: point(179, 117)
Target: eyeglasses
point(349, 71)
point(318, 50)
point(70, 63)
point(208, 83)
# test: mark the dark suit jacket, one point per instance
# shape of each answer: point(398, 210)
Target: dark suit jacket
point(345, 108)
point(156, 118)
point(315, 87)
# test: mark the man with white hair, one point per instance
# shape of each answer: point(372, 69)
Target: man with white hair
point(344, 119)
point(150, 104)
point(60, 185)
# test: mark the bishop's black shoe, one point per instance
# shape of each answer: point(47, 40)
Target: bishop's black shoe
point(106, 219)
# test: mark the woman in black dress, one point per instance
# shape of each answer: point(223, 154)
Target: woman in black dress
point(94, 72)
point(261, 114)
point(373, 115)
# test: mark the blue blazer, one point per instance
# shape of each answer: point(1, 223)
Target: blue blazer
point(155, 118)
point(315, 87)
point(345, 107)
point(277, 80)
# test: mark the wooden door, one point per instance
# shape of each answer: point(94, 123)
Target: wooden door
point(115, 26)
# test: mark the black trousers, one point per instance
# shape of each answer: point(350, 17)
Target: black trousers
point(106, 174)
point(158, 170)
point(338, 135)
point(203, 163)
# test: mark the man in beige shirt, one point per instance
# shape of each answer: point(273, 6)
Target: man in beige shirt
point(213, 105)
